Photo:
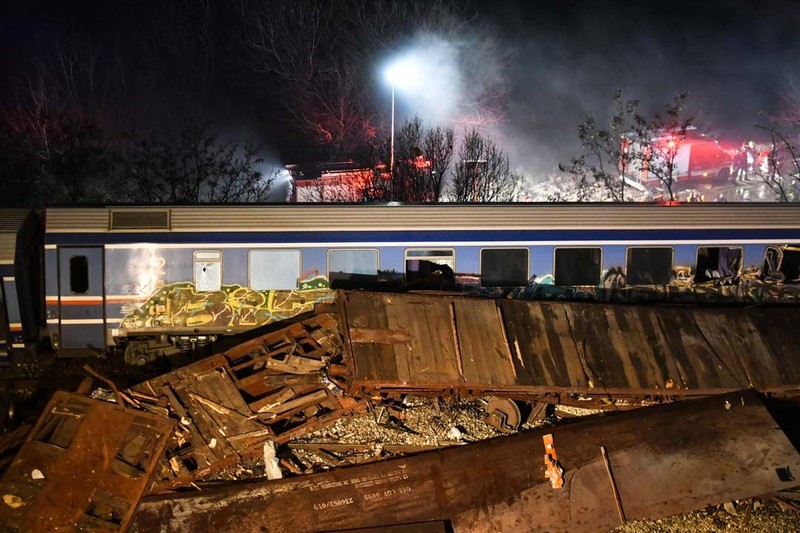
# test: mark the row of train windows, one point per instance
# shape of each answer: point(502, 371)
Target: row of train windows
point(499, 267)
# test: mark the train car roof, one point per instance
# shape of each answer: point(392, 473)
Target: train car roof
point(318, 217)
point(11, 221)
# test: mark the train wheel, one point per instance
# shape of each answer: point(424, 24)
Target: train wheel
point(503, 414)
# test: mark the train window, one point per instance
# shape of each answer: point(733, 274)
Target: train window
point(504, 267)
point(717, 263)
point(420, 263)
point(274, 269)
point(648, 266)
point(577, 266)
point(352, 268)
point(207, 270)
point(78, 274)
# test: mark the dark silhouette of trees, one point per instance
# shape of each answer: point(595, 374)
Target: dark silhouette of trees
point(319, 62)
point(483, 173)
point(606, 156)
point(632, 143)
point(782, 175)
point(53, 159)
point(783, 161)
point(192, 166)
point(422, 161)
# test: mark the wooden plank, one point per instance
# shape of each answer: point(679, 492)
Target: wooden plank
point(432, 325)
point(712, 328)
point(521, 332)
point(666, 460)
point(294, 364)
point(483, 345)
point(379, 336)
point(361, 312)
point(546, 355)
point(282, 395)
point(627, 339)
point(296, 403)
point(594, 343)
point(431, 358)
point(388, 362)
point(654, 338)
point(772, 335)
point(559, 320)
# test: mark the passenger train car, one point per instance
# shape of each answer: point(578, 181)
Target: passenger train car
point(20, 289)
point(159, 279)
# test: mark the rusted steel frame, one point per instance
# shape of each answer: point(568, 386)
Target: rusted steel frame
point(666, 459)
point(83, 466)
point(187, 480)
point(254, 450)
point(480, 389)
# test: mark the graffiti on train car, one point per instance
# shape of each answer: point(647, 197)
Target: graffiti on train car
point(747, 287)
point(181, 305)
point(718, 275)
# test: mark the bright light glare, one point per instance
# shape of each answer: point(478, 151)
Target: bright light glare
point(403, 73)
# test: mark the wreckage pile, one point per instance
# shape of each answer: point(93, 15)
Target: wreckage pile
point(283, 405)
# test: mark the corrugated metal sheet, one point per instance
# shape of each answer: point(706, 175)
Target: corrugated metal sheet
point(444, 216)
point(11, 221)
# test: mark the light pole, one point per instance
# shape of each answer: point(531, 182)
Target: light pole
point(391, 142)
point(403, 74)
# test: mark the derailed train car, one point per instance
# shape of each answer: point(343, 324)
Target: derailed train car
point(20, 290)
point(159, 279)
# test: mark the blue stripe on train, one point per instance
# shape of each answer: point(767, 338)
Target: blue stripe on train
point(454, 236)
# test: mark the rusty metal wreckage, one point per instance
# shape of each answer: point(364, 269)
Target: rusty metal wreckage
point(257, 402)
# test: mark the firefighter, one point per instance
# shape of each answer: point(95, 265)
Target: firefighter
point(740, 164)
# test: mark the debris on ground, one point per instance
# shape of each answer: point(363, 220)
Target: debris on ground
point(283, 407)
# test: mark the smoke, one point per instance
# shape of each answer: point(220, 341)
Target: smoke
point(731, 57)
point(433, 88)
point(525, 73)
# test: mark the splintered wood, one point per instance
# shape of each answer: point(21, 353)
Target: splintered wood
point(267, 390)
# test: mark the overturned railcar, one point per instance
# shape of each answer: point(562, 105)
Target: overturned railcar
point(20, 291)
point(157, 279)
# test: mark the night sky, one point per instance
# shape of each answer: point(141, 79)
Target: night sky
point(736, 59)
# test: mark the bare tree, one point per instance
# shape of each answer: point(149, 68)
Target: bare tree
point(782, 175)
point(423, 157)
point(483, 173)
point(659, 140)
point(606, 156)
point(321, 58)
point(633, 146)
point(50, 157)
point(59, 115)
point(193, 166)
point(783, 165)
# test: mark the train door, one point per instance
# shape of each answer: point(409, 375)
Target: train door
point(5, 340)
point(80, 291)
